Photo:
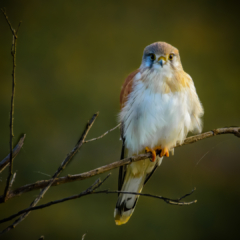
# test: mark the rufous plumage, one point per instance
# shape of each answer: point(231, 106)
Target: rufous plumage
point(159, 106)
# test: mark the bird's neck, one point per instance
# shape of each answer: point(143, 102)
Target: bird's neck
point(164, 82)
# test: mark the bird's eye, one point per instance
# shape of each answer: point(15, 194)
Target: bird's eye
point(170, 57)
point(152, 56)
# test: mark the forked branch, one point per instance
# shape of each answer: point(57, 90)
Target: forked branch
point(56, 174)
point(5, 162)
point(92, 190)
point(126, 161)
point(13, 53)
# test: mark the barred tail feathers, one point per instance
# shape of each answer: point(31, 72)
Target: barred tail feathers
point(126, 202)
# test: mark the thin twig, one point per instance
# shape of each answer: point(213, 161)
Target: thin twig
point(126, 161)
point(13, 53)
point(12, 180)
point(9, 24)
point(56, 174)
point(91, 190)
point(101, 182)
point(5, 162)
point(186, 195)
point(93, 139)
point(167, 200)
point(18, 27)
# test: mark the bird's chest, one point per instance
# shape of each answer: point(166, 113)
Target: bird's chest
point(152, 119)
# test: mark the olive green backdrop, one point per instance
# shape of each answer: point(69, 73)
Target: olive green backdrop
point(72, 58)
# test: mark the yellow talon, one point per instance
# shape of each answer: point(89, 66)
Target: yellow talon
point(153, 153)
point(164, 152)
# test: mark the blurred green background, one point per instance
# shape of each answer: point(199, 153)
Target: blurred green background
point(72, 58)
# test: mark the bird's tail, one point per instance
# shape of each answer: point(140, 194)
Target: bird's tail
point(126, 202)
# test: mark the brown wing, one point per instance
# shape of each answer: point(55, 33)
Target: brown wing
point(127, 87)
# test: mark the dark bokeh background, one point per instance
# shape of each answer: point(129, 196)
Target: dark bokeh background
point(72, 58)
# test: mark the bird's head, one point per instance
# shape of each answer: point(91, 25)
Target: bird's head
point(161, 57)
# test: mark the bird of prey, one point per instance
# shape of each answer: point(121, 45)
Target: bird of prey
point(159, 106)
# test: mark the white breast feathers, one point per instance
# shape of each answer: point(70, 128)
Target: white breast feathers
point(152, 118)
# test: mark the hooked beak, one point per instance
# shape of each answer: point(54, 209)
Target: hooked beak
point(162, 60)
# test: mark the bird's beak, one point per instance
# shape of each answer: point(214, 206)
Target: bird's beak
point(162, 60)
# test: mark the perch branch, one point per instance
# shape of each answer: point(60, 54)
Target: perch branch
point(91, 190)
point(57, 173)
point(126, 161)
point(227, 130)
point(5, 162)
point(13, 53)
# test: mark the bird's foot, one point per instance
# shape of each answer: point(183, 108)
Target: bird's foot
point(153, 153)
point(164, 152)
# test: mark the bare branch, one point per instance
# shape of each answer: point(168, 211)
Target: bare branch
point(186, 195)
point(126, 161)
point(9, 24)
point(12, 180)
point(167, 200)
point(57, 173)
point(5, 162)
point(13, 52)
point(91, 190)
point(18, 27)
point(93, 139)
point(88, 191)
point(71, 178)
point(214, 132)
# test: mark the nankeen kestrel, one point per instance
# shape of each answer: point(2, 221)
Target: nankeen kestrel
point(159, 106)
